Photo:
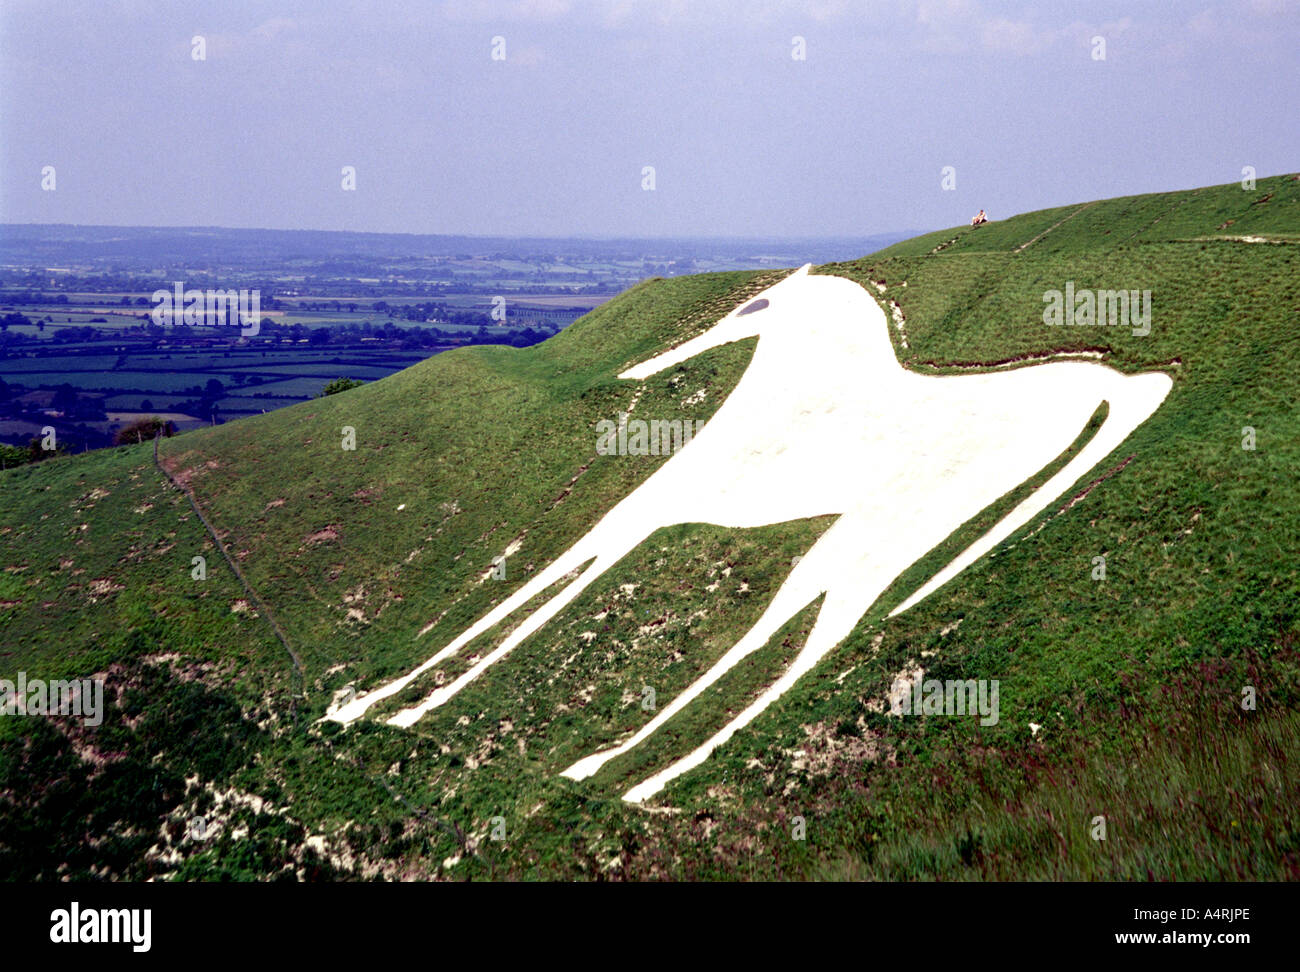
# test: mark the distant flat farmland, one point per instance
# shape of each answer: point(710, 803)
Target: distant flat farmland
point(177, 381)
point(163, 381)
point(165, 416)
point(67, 362)
point(298, 388)
point(315, 369)
point(131, 402)
point(251, 404)
point(104, 346)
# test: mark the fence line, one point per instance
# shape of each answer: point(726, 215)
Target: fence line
point(258, 605)
point(451, 829)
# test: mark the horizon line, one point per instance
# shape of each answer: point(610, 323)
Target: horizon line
point(594, 237)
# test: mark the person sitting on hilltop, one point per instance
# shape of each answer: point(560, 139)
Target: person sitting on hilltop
point(979, 218)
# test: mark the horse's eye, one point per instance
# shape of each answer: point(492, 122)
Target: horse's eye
point(749, 308)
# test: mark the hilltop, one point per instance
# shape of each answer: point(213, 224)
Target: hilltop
point(1121, 697)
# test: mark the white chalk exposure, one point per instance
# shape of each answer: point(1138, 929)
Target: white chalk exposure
point(826, 421)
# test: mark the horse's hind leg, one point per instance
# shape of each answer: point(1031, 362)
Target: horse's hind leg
point(800, 588)
point(834, 622)
point(1132, 399)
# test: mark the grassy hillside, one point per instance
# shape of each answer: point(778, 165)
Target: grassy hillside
point(1134, 682)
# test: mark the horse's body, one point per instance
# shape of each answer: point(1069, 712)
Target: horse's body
point(825, 421)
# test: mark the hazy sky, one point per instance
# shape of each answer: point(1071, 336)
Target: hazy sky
point(744, 138)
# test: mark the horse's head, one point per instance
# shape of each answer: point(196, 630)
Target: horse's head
point(766, 309)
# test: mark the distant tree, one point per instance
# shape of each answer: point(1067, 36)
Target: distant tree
point(11, 456)
point(319, 336)
point(339, 385)
point(146, 405)
point(65, 398)
point(142, 430)
point(213, 389)
point(36, 450)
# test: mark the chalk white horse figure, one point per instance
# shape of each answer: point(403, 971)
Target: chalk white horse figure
point(825, 421)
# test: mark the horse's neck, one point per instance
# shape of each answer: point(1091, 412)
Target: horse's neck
point(845, 338)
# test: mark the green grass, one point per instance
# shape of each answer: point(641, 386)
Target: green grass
point(1134, 681)
point(99, 557)
point(1186, 762)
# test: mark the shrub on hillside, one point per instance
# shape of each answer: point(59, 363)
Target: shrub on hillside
point(11, 456)
point(339, 385)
